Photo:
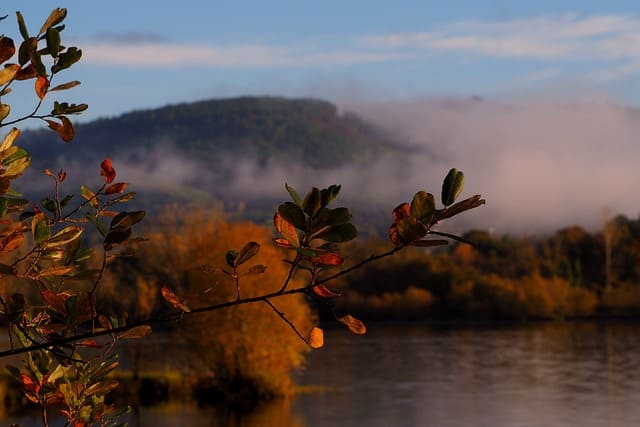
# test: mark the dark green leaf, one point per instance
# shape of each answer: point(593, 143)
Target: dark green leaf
point(338, 233)
point(311, 204)
point(452, 186)
point(230, 257)
point(249, 250)
point(53, 42)
point(328, 216)
point(22, 26)
point(293, 214)
point(40, 228)
point(36, 59)
point(422, 207)
point(409, 229)
point(464, 205)
point(66, 59)
point(56, 16)
point(327, 195)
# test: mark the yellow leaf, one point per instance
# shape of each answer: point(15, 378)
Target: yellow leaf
point(8, 73)
point(316, 337)
point(9, 139)
point(354, 325)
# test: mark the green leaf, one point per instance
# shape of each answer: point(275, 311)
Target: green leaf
point(328, 216)
point(66, 59)
point(338, 233)
point(36, 59)
point(327, 195)
point(452, 186)
point(40, 228)
point(293, 214)
point(49, 204)
point(311, 204)
point(53, 41)
point(93, 219)
point(246, 253)
point(22, 26)
point(423, 206)
point(64, 236)
point(230, 257)
point(294, 194)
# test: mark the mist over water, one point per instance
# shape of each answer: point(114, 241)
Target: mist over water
point(540, 165)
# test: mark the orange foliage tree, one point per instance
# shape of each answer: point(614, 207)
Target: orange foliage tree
point(68, 345)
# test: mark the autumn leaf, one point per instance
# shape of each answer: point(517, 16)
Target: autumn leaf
point(287, 230)
point(117, 188)
point(106, 170)
point(401, 212)
point(316, 337)
point(330, 259)
point(354, 325)
point(174, 300)
point(65, 128)
point(41, 86)
point(324, 292)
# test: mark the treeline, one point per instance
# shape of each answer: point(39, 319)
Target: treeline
point(572, 273)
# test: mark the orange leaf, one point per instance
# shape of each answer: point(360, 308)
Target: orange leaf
point(174, 300)
point(316, 337)
point(283, 243)
point(287, 230)
point(401, 211)
point(354, 325)
point(106, 170)
point(327, 259)
point(324, 292)
point(42, 85)
point(89, 344)
point(117, 188)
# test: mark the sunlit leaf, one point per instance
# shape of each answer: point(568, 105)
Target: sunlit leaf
point(41, 86)
point(8, 72)
point(101, 388)
point(7, 49)
point(136, 333)
point(5, 109)
point(249, 250)
point(65, 86)
point(9, 139)
point(316, 337)
point(40, 228)
point(294, 195)
point(283, 243)
point(106, 170)
point(89, 343)
point(56, 16)
point(56, 302)
point(64, 236)
point(174, 300)
point(324, 292)
point(11, 242)
point(354, 325)
point(287, 230)
point(89, 196)
point(55, 271)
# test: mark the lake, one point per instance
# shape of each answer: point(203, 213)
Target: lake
point(544, 374)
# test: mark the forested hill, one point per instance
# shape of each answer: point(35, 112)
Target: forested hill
point(309, 131)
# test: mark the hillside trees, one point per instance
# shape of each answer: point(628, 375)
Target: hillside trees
point(51, 274)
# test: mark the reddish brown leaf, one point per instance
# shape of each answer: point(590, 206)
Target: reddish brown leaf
point(324, 292)
point(283, 243)
point(401, 211)
point(89, 344)
point(327, 259)
point(354, 325)
point(316, 337)
point(55, 301)
point(174, 300)
point(117, 188)
point(136, 333)
point(7, 48)
point(41, 86)
point(394, 236)
point(26, 73)
point(67, 132)
point(287, 230)
point(106, 170)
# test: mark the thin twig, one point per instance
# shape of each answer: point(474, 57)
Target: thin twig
point(287, 321)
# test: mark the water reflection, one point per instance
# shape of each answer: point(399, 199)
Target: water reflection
point(556, 375)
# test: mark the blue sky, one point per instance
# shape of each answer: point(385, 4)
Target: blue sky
point(144, 54)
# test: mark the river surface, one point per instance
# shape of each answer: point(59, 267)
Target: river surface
point(551, 374)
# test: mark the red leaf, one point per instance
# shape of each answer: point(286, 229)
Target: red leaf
point(287, 230)
point(324, 292)
point(106, 170)
point(401, 211)
point(42, 85)
point(394, 236)
point(117, 188)
point(327, 259)
point(173, 299)
point(89, 344)
point(26, 73)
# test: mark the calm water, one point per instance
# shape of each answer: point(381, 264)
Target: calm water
point(562, 374)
